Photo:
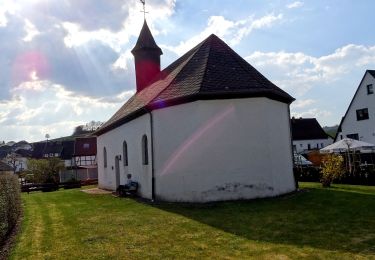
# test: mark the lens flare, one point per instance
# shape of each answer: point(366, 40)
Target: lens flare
point(195, 137)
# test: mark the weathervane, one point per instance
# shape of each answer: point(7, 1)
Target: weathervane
point(144, 8)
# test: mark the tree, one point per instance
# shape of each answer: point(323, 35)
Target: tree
point(13, 160)
point(92, 125)
point(87, 128)
point(45, 170)
point(332, 169)
point(78, 130)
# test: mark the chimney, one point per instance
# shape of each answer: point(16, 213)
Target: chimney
point(146, 58)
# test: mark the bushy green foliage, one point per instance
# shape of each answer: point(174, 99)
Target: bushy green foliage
point(10, 203)
point(44, 170)
point(332, 169)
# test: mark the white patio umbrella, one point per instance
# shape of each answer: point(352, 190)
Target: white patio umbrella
point(346, 145)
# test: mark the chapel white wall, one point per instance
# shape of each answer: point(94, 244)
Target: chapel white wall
point(223, 150)
point(364, 128)
point(132, 132)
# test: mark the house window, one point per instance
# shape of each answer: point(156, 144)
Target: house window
point(370, 89)
point(105, 157)
point(308, 146)
point(362, 114)
point(86, 146)
point(125, 153)
point(144, 150)
point(353, 136)
point(300, 145)
point(321, 145)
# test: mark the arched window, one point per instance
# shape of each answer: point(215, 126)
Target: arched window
point(125, 153)
point(144, 150)
point(105, 157)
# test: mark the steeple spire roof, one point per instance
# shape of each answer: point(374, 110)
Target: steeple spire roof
point(146, 40)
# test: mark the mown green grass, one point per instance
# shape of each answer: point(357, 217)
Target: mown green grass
point(335, 223)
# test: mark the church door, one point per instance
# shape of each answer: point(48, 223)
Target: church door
point(117, 170)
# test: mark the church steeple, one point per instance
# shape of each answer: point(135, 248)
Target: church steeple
point(146, 57)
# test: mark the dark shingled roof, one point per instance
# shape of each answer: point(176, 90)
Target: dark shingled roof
point(5, 167)
point(24, 152)
point(68, 150)
point(38, 149)
point(64, 149)
point(211, 70)
point(307, 129)
point(372, 72)
point(146, 40)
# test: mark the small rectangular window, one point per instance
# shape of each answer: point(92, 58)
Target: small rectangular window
point(308, 146)
point(353, 136)
point(370, 89)
point(362, 114)
point(86, 146)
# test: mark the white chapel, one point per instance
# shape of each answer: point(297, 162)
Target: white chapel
point(209, 127)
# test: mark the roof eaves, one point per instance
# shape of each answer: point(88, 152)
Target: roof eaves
point(121, 121)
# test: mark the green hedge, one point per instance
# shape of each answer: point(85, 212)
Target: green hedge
point(10, 203)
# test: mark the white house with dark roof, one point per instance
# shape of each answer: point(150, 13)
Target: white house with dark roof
point(359, 120)
point(203, 129)
point(307, 134)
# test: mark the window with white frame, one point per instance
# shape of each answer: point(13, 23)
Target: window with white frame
point(370, 89)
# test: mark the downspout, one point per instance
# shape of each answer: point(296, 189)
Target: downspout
point(152, 155)
point(291, 145)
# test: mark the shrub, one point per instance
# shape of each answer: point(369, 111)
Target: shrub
point(10, 203)
point(332, 169)
point(45, 170)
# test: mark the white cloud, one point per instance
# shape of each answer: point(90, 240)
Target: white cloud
point(40, 107)
point(299, 72)
point(123, 60)
point(231, 31)
point(296, 4)
point(6, 7)
point(302, 103)
point(312, 113)
point(31, 31)
point(131, 25)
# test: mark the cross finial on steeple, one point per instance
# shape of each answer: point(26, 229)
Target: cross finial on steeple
point(144, 8)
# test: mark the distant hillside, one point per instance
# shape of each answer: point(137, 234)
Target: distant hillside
point(331, 130)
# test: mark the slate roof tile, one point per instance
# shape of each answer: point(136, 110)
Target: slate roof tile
point(146, 40)
point(372, 72)
point(211, 70)
point(5, 167)
point(307, 129)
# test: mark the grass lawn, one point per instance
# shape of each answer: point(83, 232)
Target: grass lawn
point(335, 223)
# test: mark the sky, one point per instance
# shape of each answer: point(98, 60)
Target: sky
point(65, 63)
